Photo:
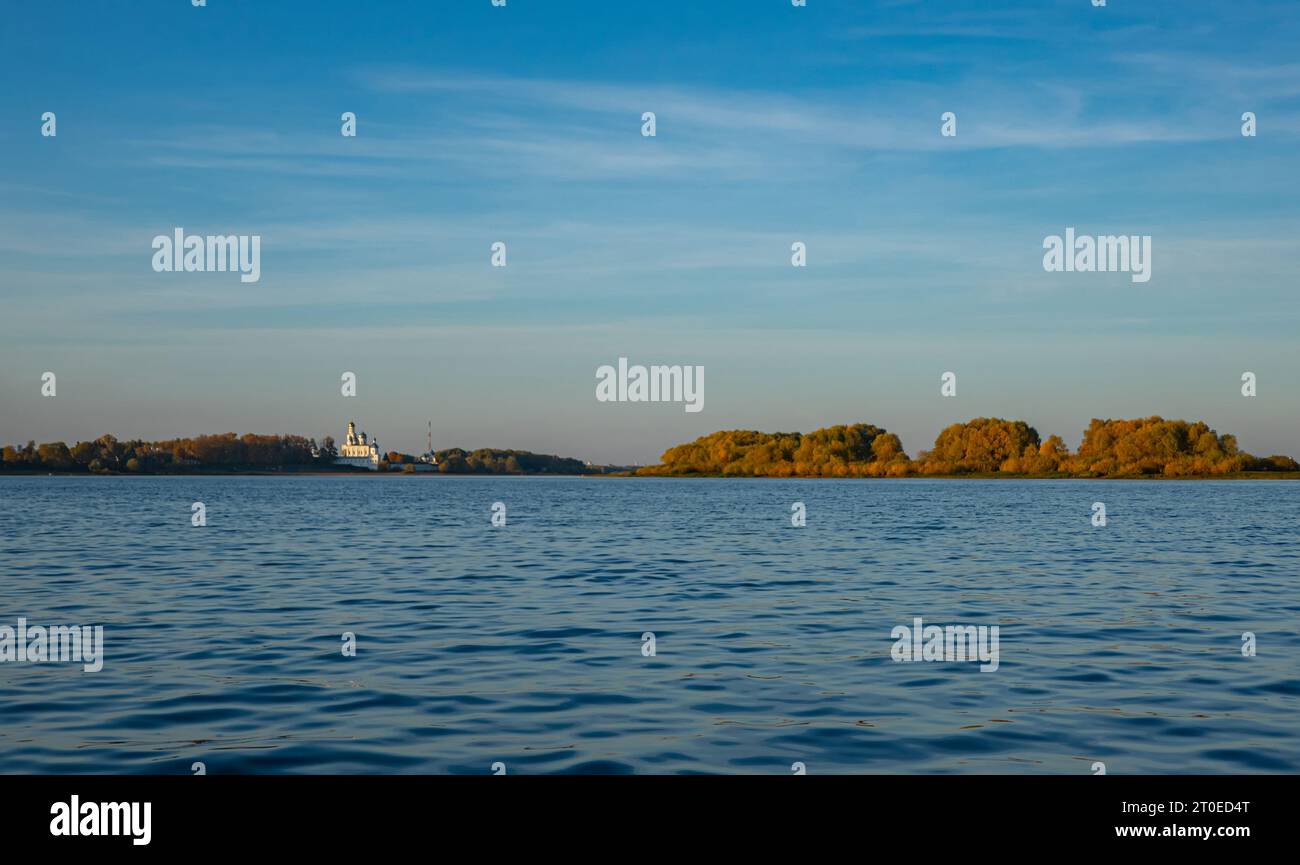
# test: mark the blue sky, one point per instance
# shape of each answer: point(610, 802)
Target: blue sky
point(522, 124)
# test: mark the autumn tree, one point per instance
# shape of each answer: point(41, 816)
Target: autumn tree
point(982, 445)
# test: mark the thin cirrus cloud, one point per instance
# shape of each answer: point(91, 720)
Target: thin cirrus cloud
point(1047, 114)
point(504, 127)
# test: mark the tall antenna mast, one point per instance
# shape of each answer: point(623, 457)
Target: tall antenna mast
point(431, 437)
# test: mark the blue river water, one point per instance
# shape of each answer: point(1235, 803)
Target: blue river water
point(522, 644)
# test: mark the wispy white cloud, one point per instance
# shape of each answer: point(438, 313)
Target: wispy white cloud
point(504, 128)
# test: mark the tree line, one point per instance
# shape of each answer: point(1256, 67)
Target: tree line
point(1143, 447)
point(228, 452)
point(110, 454)
point(508, 462)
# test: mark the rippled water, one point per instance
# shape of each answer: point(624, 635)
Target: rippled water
point(522, 644)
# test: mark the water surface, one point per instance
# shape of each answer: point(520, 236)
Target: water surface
point(522, 644)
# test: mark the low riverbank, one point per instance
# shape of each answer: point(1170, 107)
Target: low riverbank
point(361, 473)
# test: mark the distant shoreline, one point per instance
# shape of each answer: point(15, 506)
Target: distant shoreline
point(981, 448)
point(362, 473)
point(990, 476)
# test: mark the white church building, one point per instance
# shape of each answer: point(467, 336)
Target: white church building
point(357, 451)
